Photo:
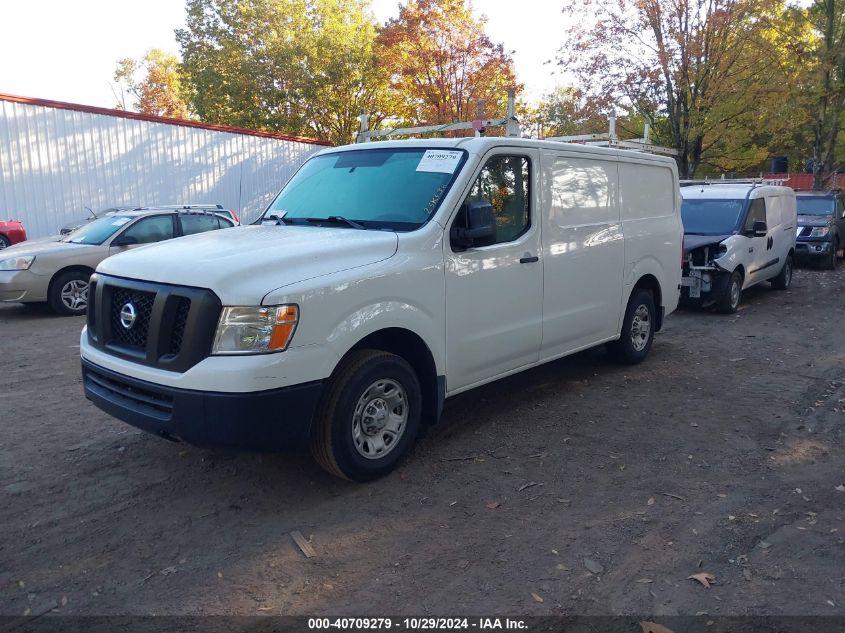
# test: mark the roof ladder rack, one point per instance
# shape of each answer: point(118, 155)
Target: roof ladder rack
point(611, 139)
point(509, 122)
point(734, 181)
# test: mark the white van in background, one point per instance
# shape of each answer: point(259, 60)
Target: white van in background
point(384, 278)
point(736, 235)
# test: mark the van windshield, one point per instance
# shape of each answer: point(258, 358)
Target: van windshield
point(711, 217)
point(390, 188)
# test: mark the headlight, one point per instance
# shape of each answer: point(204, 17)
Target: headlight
point(255, 330)
point(819, 231)
point(17, 263)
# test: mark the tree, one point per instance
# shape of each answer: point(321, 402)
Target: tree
point(696, 69)
point(294, 66)
point(154, 81)
point(828, 86)
point(442, 64)
point(562, 112)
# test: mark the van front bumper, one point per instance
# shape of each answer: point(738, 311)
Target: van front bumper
point(704, 286)
point(272, 421)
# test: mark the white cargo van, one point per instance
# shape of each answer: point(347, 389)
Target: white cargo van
point(384, 278)
point(736, 235)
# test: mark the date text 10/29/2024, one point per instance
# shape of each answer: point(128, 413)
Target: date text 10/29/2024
point(417, 624)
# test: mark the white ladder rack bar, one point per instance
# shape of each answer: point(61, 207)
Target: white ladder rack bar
point(510, 123)
point(610, 139)
point(733, 181)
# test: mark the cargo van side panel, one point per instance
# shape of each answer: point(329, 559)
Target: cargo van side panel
point(651, 223)
point(583, 251)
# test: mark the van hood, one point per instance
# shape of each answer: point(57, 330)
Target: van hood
point(243, 264)
point(692, 242)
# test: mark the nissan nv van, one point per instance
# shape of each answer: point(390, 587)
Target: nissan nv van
point(384, 278)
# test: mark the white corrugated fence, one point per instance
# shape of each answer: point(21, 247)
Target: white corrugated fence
point(57, 159)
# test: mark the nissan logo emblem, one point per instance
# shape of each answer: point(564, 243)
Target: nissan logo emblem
point(128, 316)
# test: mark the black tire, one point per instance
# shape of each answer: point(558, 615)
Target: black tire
point(625, 350)
point(729, 302)
point(54, 295)
point(831, 260)
point(333, 443)
point(4, 242)
point(784, 278)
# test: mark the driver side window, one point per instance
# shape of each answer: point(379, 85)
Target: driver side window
point(757, 211)
point(504, 182)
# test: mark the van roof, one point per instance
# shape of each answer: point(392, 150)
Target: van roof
point(731, 191)
point(480, 145)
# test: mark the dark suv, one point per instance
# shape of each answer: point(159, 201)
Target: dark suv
point(821, 227)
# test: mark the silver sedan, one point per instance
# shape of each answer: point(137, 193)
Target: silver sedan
point(56, 270)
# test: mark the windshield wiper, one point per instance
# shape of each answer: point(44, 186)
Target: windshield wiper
point(275, 217)
point(337, 219)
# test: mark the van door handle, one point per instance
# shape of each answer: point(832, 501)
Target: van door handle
point(528, 260)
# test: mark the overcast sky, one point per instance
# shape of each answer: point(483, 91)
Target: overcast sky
point(66, 50)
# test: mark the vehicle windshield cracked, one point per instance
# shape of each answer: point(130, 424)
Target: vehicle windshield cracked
point(382, 188)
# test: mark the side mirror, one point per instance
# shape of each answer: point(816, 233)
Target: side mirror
point(480, 227)
point(760, 228)
point(125, 240)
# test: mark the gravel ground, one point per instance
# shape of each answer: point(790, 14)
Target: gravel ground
point(580, 487)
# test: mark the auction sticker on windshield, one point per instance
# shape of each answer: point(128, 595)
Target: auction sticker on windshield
point(441, 161)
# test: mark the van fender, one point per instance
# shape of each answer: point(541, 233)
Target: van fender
point(647, 265)
point(368, 319)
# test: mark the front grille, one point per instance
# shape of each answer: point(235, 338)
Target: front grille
point(173, 328)
point(183, 307)
point(136, 335)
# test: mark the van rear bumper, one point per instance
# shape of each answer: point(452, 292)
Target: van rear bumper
point(272, 421)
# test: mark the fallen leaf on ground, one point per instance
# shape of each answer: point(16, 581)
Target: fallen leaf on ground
point(536, 597)
point(654, 627)
point(593, 566)
point(840, 488)
point(645, 580)
point(704, 578)
point(650, 501)
point(492, 505)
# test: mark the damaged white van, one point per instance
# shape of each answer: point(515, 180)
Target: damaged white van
point(384, 278)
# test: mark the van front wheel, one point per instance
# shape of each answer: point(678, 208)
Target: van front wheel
point(637, 330)
point(369, 416)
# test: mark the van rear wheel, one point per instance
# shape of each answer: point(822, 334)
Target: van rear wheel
point(369, 416)
point(637, 330)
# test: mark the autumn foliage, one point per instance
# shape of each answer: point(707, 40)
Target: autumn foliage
point(727, 83)
point(442, 64)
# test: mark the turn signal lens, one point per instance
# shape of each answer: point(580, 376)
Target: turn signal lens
point(255, 330)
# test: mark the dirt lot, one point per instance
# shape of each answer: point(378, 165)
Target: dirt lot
point(721, 454)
